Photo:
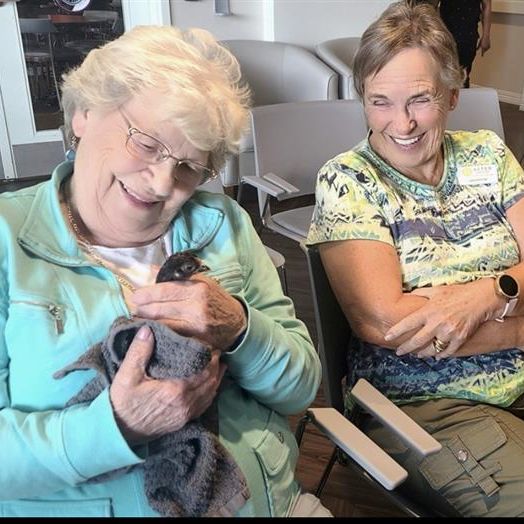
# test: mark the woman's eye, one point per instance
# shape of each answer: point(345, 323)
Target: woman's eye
point(379, 103)
point(421, 100)
point(146, 147)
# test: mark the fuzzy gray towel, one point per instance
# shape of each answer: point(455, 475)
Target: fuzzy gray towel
point(187, 472)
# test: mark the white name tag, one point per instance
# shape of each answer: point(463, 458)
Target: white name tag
point(477, 175)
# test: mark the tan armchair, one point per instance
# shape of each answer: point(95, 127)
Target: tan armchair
point(277, 73)
point(338, 54)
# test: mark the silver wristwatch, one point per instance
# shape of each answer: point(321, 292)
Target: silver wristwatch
point(508, 288)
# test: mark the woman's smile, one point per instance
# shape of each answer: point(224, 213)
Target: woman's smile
point(136, 199)
point(408, 143)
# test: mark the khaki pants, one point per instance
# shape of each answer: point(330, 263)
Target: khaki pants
point(480, 469)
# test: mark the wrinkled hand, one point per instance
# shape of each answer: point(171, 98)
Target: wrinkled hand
point(452, 314)
point(197, 307)
point(147, 408)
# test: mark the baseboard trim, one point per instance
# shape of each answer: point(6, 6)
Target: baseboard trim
point(509, 97)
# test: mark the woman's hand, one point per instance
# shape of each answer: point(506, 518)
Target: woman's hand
point(484, 44)
point(197, 307)
point(147, 408)
point(451, 315)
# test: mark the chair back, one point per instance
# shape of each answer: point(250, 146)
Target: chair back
point(277, 73)
point(339, 54)
point(294, 140)
point(477, 108)
point(333, 330)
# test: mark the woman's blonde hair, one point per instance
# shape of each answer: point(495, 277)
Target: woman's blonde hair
point(198, 79)
point(401, 26)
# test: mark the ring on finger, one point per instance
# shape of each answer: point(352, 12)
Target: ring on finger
point(439, 345)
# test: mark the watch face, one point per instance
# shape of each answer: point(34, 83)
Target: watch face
point(509, 286)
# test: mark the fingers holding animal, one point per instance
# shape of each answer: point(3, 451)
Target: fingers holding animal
point(197, 307)
point(146, 408)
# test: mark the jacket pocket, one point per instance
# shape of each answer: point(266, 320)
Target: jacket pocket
point(53, 311)
point(57, 508)
point(467, 454)
point(277, 454)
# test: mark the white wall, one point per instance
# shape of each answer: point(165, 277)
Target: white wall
point(245, 22)
point(303, 22)
point(308, 22)
point(502, 66)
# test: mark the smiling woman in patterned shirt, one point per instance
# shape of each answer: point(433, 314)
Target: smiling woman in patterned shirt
point(414, 225)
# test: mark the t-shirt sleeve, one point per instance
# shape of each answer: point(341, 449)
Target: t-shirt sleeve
point(347, 203)
point(512, 179)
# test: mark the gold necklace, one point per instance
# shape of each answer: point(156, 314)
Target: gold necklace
point(87, 246)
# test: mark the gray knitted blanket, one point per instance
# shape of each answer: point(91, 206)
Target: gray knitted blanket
point(187, 473)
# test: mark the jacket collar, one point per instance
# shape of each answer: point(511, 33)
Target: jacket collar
point(45, 231)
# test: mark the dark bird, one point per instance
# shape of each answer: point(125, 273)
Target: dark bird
point(179, 266)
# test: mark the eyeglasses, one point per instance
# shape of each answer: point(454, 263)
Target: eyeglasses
point(150, 150)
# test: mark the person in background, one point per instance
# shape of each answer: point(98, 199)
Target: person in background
point(421, 232)
point(462, 19)
point(434, 3)
point(151, 116)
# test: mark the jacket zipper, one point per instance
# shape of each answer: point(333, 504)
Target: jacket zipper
point(56, 312)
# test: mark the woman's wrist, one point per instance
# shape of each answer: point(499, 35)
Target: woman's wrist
point(495, 303)
point(241, 333)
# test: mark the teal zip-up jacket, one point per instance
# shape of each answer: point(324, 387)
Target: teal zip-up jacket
point(55, 304)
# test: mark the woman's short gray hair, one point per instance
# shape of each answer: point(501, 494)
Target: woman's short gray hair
point(401, 26)
point(198, 78)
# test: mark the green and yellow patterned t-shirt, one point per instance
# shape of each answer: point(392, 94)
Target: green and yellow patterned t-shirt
point(454, 232)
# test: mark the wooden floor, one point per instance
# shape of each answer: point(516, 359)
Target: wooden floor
point(346, 494)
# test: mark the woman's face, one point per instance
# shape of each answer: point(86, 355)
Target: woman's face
point(406, 106)
point(122, 200)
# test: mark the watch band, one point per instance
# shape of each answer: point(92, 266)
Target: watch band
point(508, 308)
point(511, 301)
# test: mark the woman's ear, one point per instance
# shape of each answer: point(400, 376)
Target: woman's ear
point(453, 99)
point(79, 122)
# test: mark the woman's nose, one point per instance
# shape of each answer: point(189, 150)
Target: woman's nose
point(163, 177)
point(404, 122)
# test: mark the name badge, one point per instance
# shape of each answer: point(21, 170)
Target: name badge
point(477, 175)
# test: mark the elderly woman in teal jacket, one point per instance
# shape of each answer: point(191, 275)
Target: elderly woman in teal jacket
point(151, 117)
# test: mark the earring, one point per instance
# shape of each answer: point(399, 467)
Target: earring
point(71, 152)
